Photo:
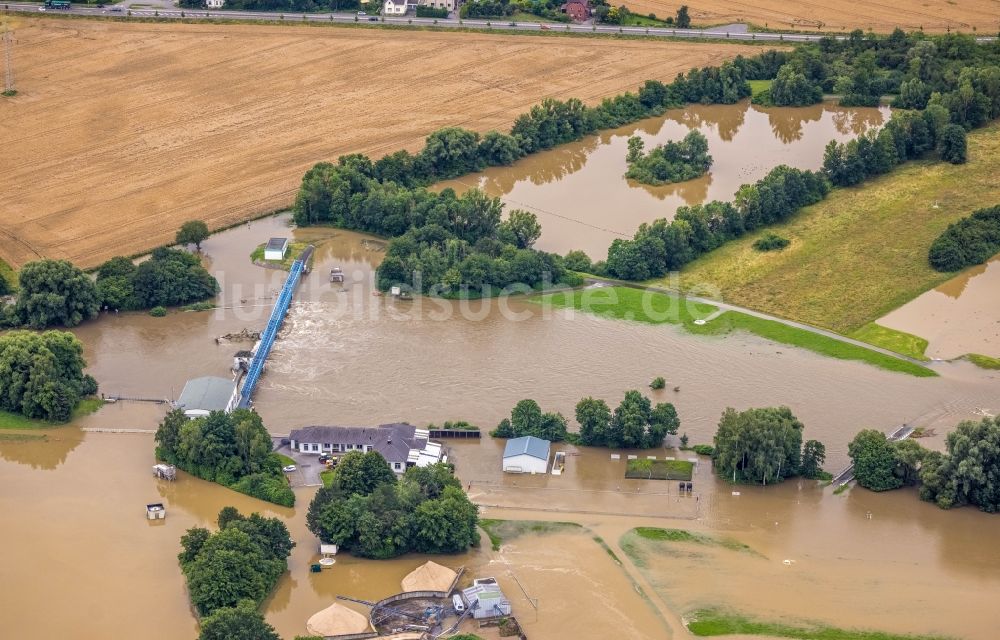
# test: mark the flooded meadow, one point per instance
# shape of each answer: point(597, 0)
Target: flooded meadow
point(77, 543)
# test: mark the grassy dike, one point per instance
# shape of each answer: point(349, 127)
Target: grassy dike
point(624, 303)
point(862, 251)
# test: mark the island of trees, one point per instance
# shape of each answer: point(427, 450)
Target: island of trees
point(967, 473)
point(970, 241)
point(230, 572)
point(371, 513)
point(669, 162)
point(233, 449)
point(764, 446)
point(634, 424)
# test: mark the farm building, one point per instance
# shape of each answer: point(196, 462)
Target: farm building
point(402, 445)
point(397, 7)
point(276, 249)
point(485, 599)
point(527, 454)
point(202, 396)
point(577, 10)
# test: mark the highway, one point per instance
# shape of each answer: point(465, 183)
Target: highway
point(735, 32)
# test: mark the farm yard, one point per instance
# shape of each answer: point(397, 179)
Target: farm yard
point(933, 16)
point(121, 132)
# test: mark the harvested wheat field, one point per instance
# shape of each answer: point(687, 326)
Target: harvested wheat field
point(934, 16)
point(121, 132)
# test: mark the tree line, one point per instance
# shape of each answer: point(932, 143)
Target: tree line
point(458, 243)
point(972, 240)
point(54, 293)
point(371, 513)
point(966, 473)
point(41, 374)
point(230, 572)
point(232, 449)
point(665, 246)
point(634, 424)
point(673, 161)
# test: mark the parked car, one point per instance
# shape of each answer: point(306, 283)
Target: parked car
point(288, 469)
point(115, 9)
point(458, 603)
point(326, 457)
point(372, 19)
point(362, 13)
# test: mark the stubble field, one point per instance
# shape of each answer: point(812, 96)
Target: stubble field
point(120, 132)
point(933, 16)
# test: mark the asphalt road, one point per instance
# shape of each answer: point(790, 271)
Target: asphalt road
point(730, 32)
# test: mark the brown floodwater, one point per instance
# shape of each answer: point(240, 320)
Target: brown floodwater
point(958, 317)
point(583, 200)
point(77, 542)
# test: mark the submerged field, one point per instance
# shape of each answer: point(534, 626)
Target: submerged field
point(933, 16)
point(861, 252)
point(123, 131)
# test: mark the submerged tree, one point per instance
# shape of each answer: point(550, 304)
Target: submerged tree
point(759, 446)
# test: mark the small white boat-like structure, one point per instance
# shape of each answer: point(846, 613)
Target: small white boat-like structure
point(559, 463)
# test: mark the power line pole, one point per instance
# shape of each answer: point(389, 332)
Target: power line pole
point(8, 76)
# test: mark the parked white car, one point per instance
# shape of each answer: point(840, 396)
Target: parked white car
point(290, 468)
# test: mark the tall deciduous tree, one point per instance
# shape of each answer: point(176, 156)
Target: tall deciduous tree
point(55, 293)
point(594, 417)
point(242, 622)
point(874, 460)
point(969, 473)
point(192, 232)
point(362, 473)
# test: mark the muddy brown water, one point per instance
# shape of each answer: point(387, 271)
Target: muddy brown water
point(580, 194)
point(81, 561)
point(958, 317)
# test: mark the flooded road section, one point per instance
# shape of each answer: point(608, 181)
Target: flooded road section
point(583, 201)
point(958, 317)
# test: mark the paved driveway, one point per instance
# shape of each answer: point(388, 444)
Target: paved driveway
point(307, 466)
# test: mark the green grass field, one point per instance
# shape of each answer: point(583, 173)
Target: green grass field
point(984, 362)
point(659, 469)
point(623, 303)
point(898, 341)
point(759, 86)
point(295, 250)
point(716, 622)
point(85, 407)
point(860, 253)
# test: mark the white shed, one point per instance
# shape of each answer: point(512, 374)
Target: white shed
point(275, 249)
point(527, 454)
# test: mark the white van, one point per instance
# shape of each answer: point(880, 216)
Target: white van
point(458, 603)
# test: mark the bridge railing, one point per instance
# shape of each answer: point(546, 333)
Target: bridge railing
point(269, 334)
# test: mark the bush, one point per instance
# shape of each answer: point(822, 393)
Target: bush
point(658, 383)
point(424, 11)
point(266, 487)
point(703, 449)
point(158, 311)
point(972, 240)
point(771, 242)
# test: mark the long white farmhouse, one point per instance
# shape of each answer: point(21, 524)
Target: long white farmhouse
point(402, 445)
